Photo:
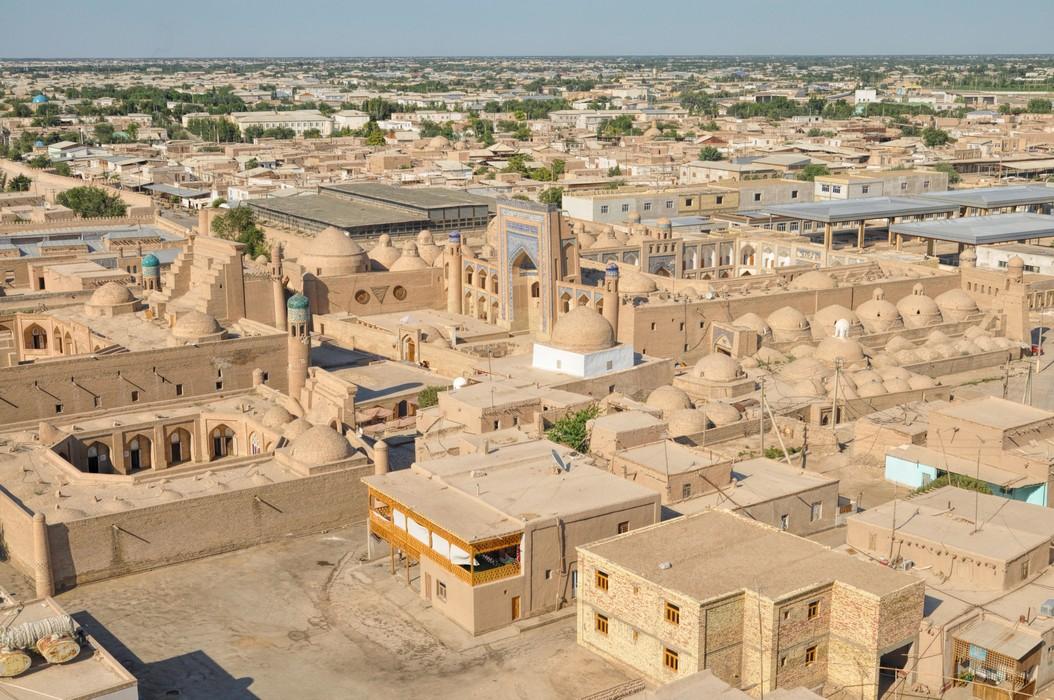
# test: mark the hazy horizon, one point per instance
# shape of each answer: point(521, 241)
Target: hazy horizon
point(239, 29)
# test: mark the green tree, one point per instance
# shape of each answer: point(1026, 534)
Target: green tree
point(572, 430)
point(133, 131)
point(614, 171)
point(710, 153)
point(811, 171)
point(92, 202)
point(552, 195)
point(239, 224)
point(19, 183)
point(429, 396)
point(63, 169)
point(252, 163)
point(104, 132)
point(953, 177)
point(1039, 105)
point(312, 134)
point(932, 136)
point(41, 161)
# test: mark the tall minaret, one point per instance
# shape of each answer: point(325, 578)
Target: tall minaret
point(299, 343)
point(454, 272)
point(611, 300)
point(278, 286)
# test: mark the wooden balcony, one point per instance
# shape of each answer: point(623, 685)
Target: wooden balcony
point(382, 525)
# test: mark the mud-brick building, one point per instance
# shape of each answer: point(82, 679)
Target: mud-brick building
point(760, 608)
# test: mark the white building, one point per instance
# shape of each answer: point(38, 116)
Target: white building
point(1037, 259)
point(583, 345)
point(350, 119)
point(299, 120)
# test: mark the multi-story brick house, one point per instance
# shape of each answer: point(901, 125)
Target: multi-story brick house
point(760, 608)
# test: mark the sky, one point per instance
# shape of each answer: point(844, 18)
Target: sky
point(277, 28)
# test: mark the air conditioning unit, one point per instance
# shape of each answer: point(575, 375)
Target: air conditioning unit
point(1047, 608)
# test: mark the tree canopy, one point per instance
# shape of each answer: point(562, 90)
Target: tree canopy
point(92, 202)
point(239, 224)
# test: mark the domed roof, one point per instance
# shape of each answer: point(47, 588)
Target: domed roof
point(409, 260)
point(320, 445)
point(687, 421)
point(384, 253)
point(439, 142)
point(824, 320)
point(787, 319)
point(668, 399)
point(754, 322)
point(583, 330)
point(720, 413)
point(634, 282)
point(717, 367)
point(814, 279)
point(652, 132)
point(297, 301)
point(296, 428)
point(332, 252)
point(956, 300)
point(276, 416)
point(260, 259)
point(111, 294)
point(831, 350)
point(1015, 263)
point(918, 310)
point(150, 260)
point(804, 368)
point(40, 99)
point(195, 324)
point(878, 315)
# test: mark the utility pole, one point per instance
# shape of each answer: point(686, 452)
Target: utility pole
point(804, 445)
point(834, 395)
point(761, 425)
point(1006, 376)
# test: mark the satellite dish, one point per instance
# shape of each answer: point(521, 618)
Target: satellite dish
point(564, 466)
point(460, 383)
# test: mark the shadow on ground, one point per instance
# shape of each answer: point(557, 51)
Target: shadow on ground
point(190, 676)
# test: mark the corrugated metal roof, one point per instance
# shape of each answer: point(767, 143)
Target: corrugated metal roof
point(981, 230)
point(997, 637)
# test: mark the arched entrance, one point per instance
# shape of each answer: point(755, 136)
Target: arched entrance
point(36, 338)
point(139, 453)
point(178, 447)
point(98, 461)
point(223, 444)
point(524, 272)
point(409, 349)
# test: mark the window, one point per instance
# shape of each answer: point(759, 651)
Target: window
point(610, 365)
point(440, 590)
point(814, 610)
point(135, 396)
point(837, 189)
point(647, 206)
point(669, 204)
point(720, 199)
point(600, 622)
point(810, 656)
point(903, 185)
point(58, 408)
point(815, 511)
point(864, 189)
point(785, 521)
point(925, 184)
point(96, 401)
point(623, 527)
point(219, 386)
point(602, 580)
point(179, 389)
point(686, 491)
point(783, 661)
point(1024, 569)
point(825, 188)
point(497, 424)
point(669, 659)
point(757, 196)
point(673, 613)
point(688, 202)
point(548, 574)
point(603, 209)
point(625, 207)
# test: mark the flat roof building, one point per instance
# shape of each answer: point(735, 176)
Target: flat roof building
point(759, 608)
point(494, 532)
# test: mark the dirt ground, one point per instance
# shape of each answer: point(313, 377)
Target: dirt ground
point(305, 618)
